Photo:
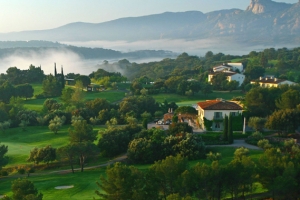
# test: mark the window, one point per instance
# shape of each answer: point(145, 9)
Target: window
point(217, 125)
point(218, 115)
point(234, 113)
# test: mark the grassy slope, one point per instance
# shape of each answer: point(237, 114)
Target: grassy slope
point(37, 104)
point(21, 142)
point(186, 100)
point(85, 183)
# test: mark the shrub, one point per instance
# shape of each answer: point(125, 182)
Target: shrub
point(254, 138)
point(39, 96)
point(4, 173)
point(21, 171)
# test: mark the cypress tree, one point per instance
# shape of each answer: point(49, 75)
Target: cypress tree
point(230, 132)
point(225, 130)
point(145, 123)
point(55, 72)
point(62, 78)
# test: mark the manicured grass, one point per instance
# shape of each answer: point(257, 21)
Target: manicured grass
point(38, 88)
point(227, 154)
point(110, 95)
point(21, 142)
point(190, 100)
point(85, 183)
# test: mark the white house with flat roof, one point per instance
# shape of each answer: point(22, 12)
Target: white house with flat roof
point(230, 76)
point(229, 67)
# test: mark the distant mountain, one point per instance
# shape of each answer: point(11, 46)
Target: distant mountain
point(26, 49)
point(263, 22)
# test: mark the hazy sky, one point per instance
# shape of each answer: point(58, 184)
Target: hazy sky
point(19, 15)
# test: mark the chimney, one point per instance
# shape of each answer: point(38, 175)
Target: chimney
point(260, 78)
point(275, 79)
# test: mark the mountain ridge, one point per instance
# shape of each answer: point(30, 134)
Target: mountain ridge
point(262, 22)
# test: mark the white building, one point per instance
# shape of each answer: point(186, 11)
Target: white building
point(230, 76)
point(229, 67)
point(237, 66)
point(215, 111)
point(271, 82)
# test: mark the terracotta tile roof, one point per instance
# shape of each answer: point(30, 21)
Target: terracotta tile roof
point(219, 105)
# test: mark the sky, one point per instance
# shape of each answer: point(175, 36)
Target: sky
point(20, 15)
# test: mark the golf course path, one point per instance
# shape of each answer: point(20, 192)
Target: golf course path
point(237, 143)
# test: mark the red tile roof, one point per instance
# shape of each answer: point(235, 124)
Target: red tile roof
point(219, 105)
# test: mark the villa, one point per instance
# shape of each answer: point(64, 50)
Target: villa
point(215, 111)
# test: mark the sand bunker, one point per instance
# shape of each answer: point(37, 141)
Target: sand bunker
point(64, 187)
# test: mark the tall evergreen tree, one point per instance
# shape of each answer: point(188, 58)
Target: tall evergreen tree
point(230, 131)
point(225, 130)
point(55, 72)
point(62, 78)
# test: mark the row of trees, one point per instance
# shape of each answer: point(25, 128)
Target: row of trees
point(17, 76)
point(262, 102)
point(277, 170)
point(8, 91)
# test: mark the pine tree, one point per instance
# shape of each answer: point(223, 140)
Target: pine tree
point(225, 131)
point(230, 132)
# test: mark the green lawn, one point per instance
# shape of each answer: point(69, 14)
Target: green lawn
point(190, 100)
point(110, 95)
point(21, 142)
point(85, 183)
point(38, 88)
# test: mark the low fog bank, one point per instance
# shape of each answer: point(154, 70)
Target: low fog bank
point(73, 63)
point(70, 61)
point(192, 47)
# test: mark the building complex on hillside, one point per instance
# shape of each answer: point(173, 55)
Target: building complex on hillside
point(232, 71)
point(215, 111)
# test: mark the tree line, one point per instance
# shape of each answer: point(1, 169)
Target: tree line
point(173, 178)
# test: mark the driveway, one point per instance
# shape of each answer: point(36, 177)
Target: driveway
point(237, 144)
